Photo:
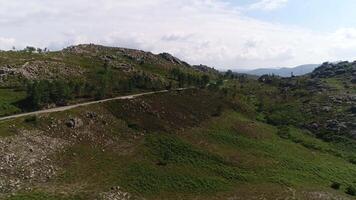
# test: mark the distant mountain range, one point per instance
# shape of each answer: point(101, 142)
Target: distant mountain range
point(284, 72)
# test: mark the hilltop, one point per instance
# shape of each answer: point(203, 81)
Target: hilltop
point(33, 79)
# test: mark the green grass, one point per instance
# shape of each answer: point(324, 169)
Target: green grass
point(287, 162)
point(165, 164)
point(8, 100)
point(335, 83)
point(162, 165)
point(12, 127)
point(150, 180)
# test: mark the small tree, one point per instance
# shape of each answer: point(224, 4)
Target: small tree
point(30, 49)
point(205, 79)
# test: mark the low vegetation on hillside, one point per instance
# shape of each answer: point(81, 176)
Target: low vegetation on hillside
point(227, 137)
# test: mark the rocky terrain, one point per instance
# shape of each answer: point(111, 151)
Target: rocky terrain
point(27, 159)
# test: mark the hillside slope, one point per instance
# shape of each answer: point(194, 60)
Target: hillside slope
point(32, 80)
point(227, 137)
point(194, 144)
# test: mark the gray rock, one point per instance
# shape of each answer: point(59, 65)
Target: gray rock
point(91, 115)
point(326, 109)
point(75, 123)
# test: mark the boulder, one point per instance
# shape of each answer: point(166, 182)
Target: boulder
point(75, 123)
point(326, 109)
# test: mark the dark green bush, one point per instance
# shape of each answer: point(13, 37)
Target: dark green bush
point(353, 160)
point(335, 185)
point(351, 190)
point(32, 119)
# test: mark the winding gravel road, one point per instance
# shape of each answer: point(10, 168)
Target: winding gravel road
point(64, 108)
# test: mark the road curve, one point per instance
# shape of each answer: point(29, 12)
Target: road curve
point(64, 108)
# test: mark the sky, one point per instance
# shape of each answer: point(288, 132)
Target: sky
point(225, 34)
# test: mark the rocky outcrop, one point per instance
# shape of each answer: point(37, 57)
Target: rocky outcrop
point(204, 68)
point(75, 123)
point(171, 58)
point(48, 70)
point(329, 70)
point(117, 193)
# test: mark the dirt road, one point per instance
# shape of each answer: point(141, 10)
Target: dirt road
point(64, 108)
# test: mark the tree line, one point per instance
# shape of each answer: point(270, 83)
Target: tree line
point(103, 84)
point(189, 79)
point(44, 92)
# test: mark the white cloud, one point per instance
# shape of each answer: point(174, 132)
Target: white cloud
point(198, 31)
point(7, 42)
point(268, 4)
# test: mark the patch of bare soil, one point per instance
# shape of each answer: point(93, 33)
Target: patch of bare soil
point(25, 160)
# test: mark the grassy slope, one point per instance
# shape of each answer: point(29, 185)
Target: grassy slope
point(8, 100)
point(229, 155)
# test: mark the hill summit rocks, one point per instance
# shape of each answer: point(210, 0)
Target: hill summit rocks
point(330, 70)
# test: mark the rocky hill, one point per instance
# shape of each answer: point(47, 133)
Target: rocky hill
point(88, 71)
point(326, 99)
point(78, 60)
point(332, 70)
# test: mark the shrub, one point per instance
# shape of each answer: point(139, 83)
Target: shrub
point(335, 185)
point(352, 160)
point(351, 190)
point(218, 112)
point(284, 132)
point(32, 119)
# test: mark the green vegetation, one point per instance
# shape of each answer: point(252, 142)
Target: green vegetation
point(9, 99)
point(230, 136)
point(335, 185)
point(189, 79)
point(67, 76)
point(226, 152)
point(351, 190)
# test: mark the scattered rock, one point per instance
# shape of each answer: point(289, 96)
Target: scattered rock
point(326, 109)
point(335, 125)
point(48, 70)
point(75, 123)
point(91, 115)
point(26, 158)
point(116, 193)
point(171, 58)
